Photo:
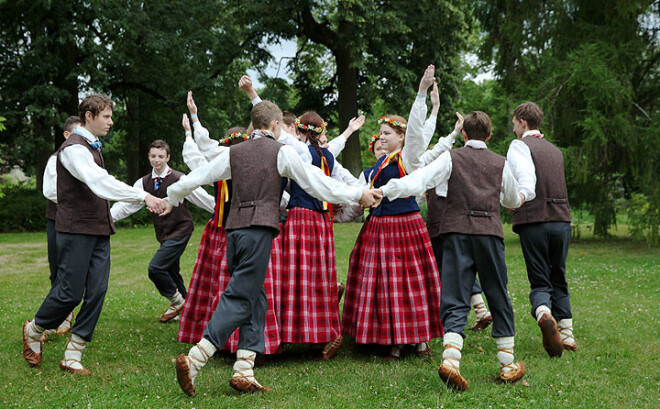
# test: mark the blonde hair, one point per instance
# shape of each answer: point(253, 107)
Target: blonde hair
point(264, 113)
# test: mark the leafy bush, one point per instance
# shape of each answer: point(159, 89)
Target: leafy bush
point(22, 209)
point(644, 218)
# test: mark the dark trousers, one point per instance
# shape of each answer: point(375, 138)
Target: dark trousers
point(164, 269)
point(464, 256)
point(82, 275)
point(243, 303)
point(437, 243)
point(52, 250)
point(545, 247)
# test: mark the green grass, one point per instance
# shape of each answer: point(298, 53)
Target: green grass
point(615, 288)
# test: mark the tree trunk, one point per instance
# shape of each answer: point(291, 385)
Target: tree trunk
point(132, 145)
point(348, 108)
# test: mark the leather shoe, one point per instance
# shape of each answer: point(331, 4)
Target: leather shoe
point(514, 374)
point(169, 316)
point(84, 371)
point(331, 348)
point(551, 338)
point(453, 378)
point(242, 384)
point(32, 358)
point(482, 323)
point(183, 375)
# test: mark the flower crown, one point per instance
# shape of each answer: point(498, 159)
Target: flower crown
point(236, 135)
point(305, 127)
point(398, 124)
point(373, 141)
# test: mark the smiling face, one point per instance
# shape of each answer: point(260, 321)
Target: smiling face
point(158, 158)
point(100, 124)
point(390, 140)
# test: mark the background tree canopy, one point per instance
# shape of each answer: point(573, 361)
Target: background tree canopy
point(593, 67)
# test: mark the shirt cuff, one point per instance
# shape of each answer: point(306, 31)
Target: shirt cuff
point(256, 101)
point(142, 195)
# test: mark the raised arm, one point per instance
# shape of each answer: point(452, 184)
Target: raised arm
point(337, 145)
point(416, 140)
point(192, 157)
point(444, 144)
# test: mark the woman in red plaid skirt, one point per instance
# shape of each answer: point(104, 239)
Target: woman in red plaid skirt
point(307, 306)
point(211, 274)
point(393, 285)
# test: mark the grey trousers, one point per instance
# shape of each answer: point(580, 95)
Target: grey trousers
point(545, 247)
point(437, 244)
point(243, 303)
point(51, 235)
point(82, 275)
point(164, 269)
point(464, 256)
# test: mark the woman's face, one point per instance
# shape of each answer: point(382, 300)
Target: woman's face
point(389, 139)
point(378, 149)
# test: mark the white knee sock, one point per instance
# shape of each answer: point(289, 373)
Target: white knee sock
point(451, 355)
point(505, 353)
point(243, 367)
point(479, 306)
point(199, 355)
point(542, 309)
point(73, 352)
point(34, 333)
point(176, 300)
point(67, 323)
point(566, 331)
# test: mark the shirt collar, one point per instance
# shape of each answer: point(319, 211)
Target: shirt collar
point(164, 173)
point(531, 132)
point(85, 133)
point(260, 133)
point(476, 144)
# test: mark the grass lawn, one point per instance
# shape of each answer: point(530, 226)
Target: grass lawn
point(615, 288)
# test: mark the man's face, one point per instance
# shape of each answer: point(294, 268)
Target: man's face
point(100, 124)
point(519, 127)
point(158, 158)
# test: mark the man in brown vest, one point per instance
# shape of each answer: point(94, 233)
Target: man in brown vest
point(544, 226)
point(473, 241)
point(49, 189)
point(172, 232)
point(256, 168)
point(84, 225)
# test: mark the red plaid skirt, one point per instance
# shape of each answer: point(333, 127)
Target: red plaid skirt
point(307, 305)
point(209, 279)
point(393, 285)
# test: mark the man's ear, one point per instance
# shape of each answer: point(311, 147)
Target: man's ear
point(489, 135)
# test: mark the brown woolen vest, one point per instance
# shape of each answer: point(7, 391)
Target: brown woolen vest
point(79, 210)
point(551, 201)
point(256, 184)
point(51, 208)
point(473, 193)
point(436, 208)
point(179, 223)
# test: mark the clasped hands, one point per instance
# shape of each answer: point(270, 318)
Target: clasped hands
point(371, 198)
point(158, 206)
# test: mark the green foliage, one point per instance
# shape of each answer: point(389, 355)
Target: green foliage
point(644, 218)
point(22, 209)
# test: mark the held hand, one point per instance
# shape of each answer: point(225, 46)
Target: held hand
point(185, 122)
point(370, 198)
point(245, 83)
point(458, 126)
point(191, 104)
point(154, 204)
point(427, 79)
point(435, 95)
point(355, 124)
point(168, 208)
point(378, 194)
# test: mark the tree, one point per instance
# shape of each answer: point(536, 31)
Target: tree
point(593, 67)
point(361, 50)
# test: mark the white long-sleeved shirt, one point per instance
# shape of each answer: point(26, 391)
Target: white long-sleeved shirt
point(80, 163)
point(419, 133)
point(439, 171)
point(522, 165)
point(198, 197)
point(310, 178)
point(49, 185)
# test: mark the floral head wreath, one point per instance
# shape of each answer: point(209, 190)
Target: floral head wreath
point(305, 127)
point(236, 135)
point(398, 124)
point(373, 141)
